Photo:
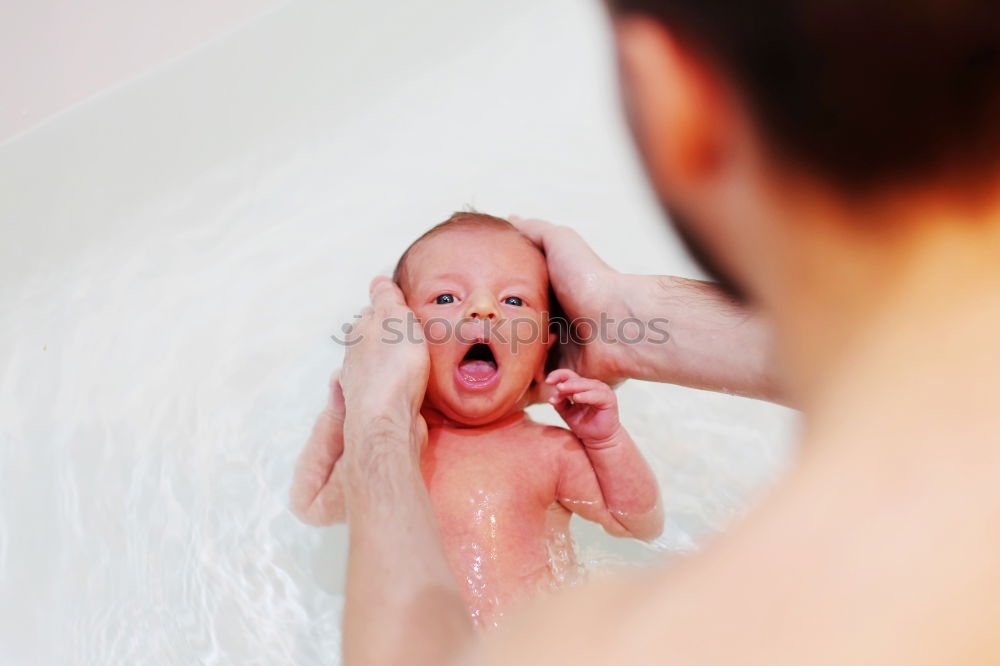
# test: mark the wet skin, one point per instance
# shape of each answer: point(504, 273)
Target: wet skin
point(503, 487)
point(494, 490)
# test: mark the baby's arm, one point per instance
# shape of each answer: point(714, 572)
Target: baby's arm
point(317, 493)
point(604, 477)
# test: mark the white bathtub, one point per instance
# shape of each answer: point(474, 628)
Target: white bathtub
point(176, 253)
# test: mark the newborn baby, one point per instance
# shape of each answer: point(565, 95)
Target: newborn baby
point(502, 486)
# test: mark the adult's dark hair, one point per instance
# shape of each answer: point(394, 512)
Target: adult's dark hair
point(864, 92)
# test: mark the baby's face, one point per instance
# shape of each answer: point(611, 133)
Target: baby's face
point(482, 297)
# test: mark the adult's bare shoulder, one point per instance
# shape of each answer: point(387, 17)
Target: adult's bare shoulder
point(586, 626)
point(783, 586)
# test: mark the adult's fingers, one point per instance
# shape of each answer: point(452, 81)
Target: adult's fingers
point(533, 229)
point(558, 241)
point(335, 403)
point(383, 292)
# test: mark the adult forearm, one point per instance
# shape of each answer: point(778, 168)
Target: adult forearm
point(403, 604)
point(710, 341)
point(314, 497)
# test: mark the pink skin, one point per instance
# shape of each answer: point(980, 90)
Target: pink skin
point(588, 406)
point(502, 488)
point(482, 286)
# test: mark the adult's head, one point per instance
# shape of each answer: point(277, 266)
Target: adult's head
point(750, 112)
point(814, 151)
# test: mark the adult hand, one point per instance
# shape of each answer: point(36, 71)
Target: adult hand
point(586, 287)
point(652, 327)
point(385, 366)
point(400, 591)
point(316, 497)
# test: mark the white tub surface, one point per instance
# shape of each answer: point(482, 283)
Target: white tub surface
point(175, 254)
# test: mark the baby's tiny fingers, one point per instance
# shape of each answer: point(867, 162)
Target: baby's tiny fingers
point(595, 398)
point(562, 405)
point(580, 384)
point(560, 375)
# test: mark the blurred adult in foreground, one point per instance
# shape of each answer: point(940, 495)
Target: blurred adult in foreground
point(836, 163)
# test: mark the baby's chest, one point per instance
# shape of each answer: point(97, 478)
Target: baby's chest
point(479, 477)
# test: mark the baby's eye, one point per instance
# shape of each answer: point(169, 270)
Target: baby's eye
point(444, 299)
point(513, 300)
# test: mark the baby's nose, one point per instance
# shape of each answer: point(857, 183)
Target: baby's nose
point(481, 306)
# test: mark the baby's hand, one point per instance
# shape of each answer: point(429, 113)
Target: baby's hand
point(588, 406)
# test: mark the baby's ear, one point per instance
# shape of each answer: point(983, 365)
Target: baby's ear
point(539, 391)
point(558, 336)
point(554, 331)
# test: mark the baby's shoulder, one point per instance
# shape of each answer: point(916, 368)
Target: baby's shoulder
point(552, 436)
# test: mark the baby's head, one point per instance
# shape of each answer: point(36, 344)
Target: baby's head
point(481, 290)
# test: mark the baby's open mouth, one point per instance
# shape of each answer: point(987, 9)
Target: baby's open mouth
point(479, 364)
